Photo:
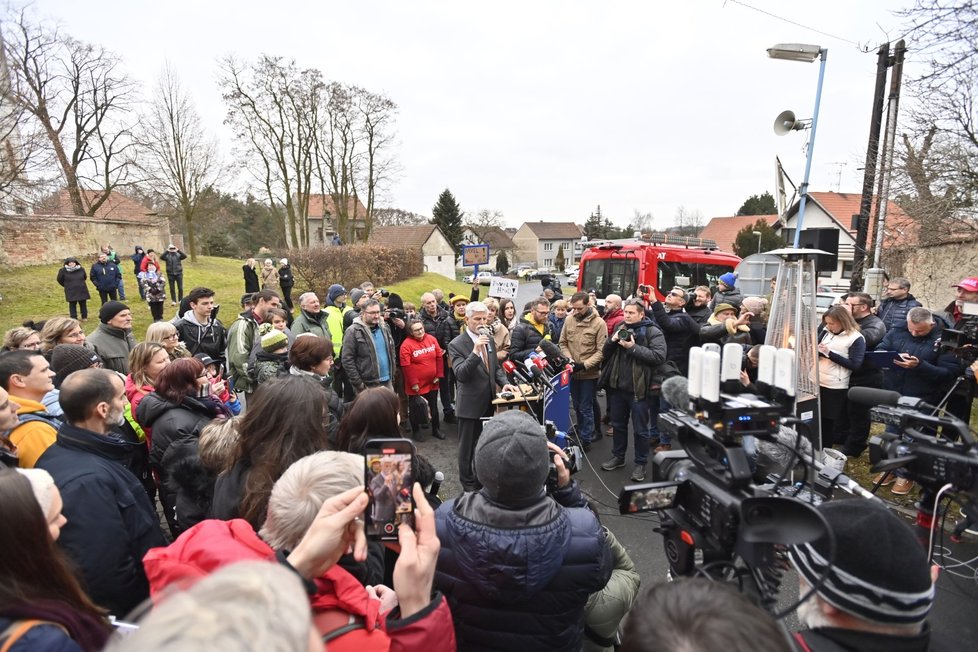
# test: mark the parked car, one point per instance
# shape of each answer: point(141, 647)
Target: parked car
point(572, 278)
point(484, 278)
point(825, 300)
point(527, 273)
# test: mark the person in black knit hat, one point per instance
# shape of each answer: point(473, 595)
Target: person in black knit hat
point(877, 589)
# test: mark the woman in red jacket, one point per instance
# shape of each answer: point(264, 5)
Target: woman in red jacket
point(423, 366)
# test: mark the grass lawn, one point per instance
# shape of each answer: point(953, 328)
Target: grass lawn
point(33, 292)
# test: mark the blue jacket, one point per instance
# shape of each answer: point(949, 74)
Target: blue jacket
point(105, 276)
point(519, 579)
point(931, 378)
point(111, 522)
point(680, 330)
point(894, 313)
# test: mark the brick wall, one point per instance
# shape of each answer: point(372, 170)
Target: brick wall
point(40, 239)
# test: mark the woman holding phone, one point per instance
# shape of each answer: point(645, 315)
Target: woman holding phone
point(841, 348)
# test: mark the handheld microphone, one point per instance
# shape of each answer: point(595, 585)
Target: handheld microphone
point(484, 331)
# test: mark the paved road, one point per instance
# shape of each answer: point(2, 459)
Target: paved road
point(957, 597)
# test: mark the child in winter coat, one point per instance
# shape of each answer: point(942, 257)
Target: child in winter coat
point(273, 359)
point(154, 289)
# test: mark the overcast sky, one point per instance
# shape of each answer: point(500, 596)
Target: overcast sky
point(542, 109)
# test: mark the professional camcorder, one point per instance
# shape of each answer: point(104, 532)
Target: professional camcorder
point(574, 456)
point(725, 508)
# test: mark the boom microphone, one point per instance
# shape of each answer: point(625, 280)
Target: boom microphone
point(676, 391)
point(873, 397)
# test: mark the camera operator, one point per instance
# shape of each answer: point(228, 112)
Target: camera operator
point(517, 565)
point(631, 358)
point(878, 589)
point(959, 404)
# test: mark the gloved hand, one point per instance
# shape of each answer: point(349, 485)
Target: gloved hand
point(578, 366)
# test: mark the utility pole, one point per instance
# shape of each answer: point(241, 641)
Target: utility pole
point(889, 143)
point(869, 174)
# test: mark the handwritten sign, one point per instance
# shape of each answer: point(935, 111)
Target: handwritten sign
point(503, 288)
point(475, 255)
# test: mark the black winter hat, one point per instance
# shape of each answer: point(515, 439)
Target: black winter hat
point(512, 459)
point(110, 310)
point(69, 358)
point(880, 572)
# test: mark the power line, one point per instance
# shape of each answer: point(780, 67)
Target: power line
point(797, 24)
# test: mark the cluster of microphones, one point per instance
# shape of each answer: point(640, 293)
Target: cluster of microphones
point(538, 369)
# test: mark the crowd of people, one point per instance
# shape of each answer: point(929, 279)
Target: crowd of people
point(155, 470)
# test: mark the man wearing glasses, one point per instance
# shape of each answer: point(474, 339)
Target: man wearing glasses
point(856, 422)
point(533, 328)
point(898, 302)
point(680, 329)
point(368, 355)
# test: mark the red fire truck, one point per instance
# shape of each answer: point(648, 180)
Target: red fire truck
point(663, 261)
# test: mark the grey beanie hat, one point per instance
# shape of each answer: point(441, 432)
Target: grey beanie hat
point(355, 295)
point(512, 459)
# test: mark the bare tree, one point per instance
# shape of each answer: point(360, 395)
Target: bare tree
point(484, 222)
point(937, 182)
point(397, 217)
point(354, 157)
point(642, 221)
point(82, 101)
point(274, 109)
point(688, 222)
point(181, 160)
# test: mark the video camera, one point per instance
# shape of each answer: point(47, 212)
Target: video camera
point(395, 313)
point(720, 511)
point(963, 342)
point(934, 451)
point(574, 460)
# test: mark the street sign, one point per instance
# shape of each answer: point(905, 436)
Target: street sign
point(503, 288)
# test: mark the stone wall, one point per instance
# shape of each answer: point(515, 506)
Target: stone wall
point(932, 269)
point(41, 239)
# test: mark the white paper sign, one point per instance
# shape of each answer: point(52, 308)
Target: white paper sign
point(503, 288)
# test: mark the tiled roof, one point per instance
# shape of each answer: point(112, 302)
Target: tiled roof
point(496, 238)
point(318, 202)
point(116, 207)
point(555, 230)
point(402, 236)
point(901, 229)
point(724, 230)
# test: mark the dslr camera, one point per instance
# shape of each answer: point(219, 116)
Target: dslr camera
point(624, 334)
point(395, 313)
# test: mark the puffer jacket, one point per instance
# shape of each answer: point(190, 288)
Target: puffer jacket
point(518, 579)
point(105, 276)
point(606, 608)
point(212, 544)
point(894, 312)
point(171, 423)
point(582, 340)
point(931, 378)
point(526, 337)
point(634, 370)
point(681, 332)
point(359, 356)
point(731, 296)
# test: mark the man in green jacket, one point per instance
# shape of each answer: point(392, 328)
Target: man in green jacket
point(113, 339)
point(242, 335)
point(311, 318)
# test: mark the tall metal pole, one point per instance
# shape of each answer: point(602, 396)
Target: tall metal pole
point(869, 174)
point(891, 125)
point(823, 55)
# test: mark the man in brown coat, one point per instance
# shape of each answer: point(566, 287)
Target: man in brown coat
point(582, 340)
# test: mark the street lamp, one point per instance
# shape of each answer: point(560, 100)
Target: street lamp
point(758, 234)
point(807, 54)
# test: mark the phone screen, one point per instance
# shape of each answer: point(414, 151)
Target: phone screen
point(647, 497)
point(388, 480)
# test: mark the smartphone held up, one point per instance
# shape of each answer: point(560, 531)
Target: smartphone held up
point(388, 479)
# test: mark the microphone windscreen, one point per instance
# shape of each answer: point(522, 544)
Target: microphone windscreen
point(871, 396)
point(676, 391)
point(549, 348)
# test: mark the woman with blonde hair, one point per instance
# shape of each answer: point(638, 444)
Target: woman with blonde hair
point(20, 338)
point(165, 333)
point(841, 348)
point(500, 332)
point(61, 330)
point(250, 271)
point(146, 361)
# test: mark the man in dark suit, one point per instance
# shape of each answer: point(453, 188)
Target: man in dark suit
point(477, 373)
